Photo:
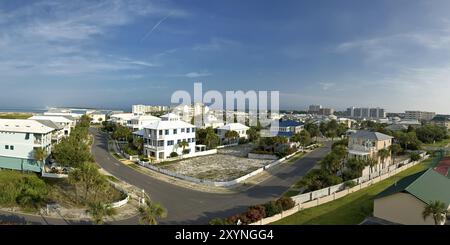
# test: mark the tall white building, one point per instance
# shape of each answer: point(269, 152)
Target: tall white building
point(366, 112)
point(145, 109)
point(18, 141)
point(419, 115)
point(163, 137)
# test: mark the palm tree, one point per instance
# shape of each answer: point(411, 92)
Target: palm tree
point(99, 211)
point(371, 162)
point(383, 154)
point(40, 154)
point(395, 149)
point(437, 210)
point(183, 144)
point(151, 212)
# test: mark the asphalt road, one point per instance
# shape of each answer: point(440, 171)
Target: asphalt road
point(187, 206)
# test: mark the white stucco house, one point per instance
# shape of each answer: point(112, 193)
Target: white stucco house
point(163, 137)
point(137, 123)
point(121, 118)
point(238, 127)
point(18, 141)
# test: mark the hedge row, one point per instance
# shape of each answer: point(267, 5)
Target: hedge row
point(257, 212)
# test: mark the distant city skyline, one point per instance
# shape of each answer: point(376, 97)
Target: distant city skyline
point(112, 54)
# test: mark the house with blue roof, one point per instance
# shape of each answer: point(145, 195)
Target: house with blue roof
point(287, 128)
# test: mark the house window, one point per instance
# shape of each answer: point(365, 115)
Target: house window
point(178, 141)
point(11, 147)
point(193, 130)
point(174, 131)
point(193, 140)
point(189, 140)
point(187, 130)
point(170, 142)
point(27, 136)
point(161, 143)
point(182, 130)
point(160, 132)
point(6, 147)
point(167, 132)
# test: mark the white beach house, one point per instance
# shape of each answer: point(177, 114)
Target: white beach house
point(163, 137)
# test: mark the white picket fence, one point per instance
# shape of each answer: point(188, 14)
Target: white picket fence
point(316, 198)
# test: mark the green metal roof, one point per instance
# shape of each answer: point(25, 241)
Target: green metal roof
point(427, 186)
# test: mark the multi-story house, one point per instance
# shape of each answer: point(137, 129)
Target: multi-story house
point(137, 123)
point(287, 128)
point(365, 144)
point(163, 137)
point(18, 141)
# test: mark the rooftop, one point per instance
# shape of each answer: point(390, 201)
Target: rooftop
point(234, 126)
point(426, 186)
point(363, 134)
point(24, 126)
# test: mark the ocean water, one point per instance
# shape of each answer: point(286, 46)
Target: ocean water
point(23, 109)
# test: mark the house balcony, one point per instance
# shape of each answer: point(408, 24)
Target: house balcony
point(155, 148)
point(360, 150)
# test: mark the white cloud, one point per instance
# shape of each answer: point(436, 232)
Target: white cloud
point(326, 86)
point(54, 38)
point(197, 74)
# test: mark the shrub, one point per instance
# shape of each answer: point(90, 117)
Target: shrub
point(349, 184)
point(286, 203)
point(233, 220)
point(186, 151)
point(218, 221)
point(414, 157)
point(256, 213)
point(173, 154)
point(272, 208)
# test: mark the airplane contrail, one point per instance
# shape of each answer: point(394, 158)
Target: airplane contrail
point(155, 26)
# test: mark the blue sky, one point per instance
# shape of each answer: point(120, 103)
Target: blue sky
point(115, 53)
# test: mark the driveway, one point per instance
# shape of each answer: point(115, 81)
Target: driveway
point(187, 206)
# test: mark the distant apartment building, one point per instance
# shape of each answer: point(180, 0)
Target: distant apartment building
point(121, 118)
point(366, 112)
point(326, 111)
point(145, 109)
point(18, 141)
point(163, 137)
point(419, 115)
point(314, 109)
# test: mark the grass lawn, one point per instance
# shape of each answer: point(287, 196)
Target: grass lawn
point(351, 209)
point(15, 115)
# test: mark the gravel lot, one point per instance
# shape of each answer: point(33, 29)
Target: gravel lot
point(230, 163)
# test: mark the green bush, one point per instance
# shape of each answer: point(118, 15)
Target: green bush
point(349, 184)
point(218, 221)
point(24, 190)
point(173, 154)
point(414, 157)
point(272, 208)
point(286, 203)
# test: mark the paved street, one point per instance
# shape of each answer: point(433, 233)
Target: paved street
point(188, 206)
